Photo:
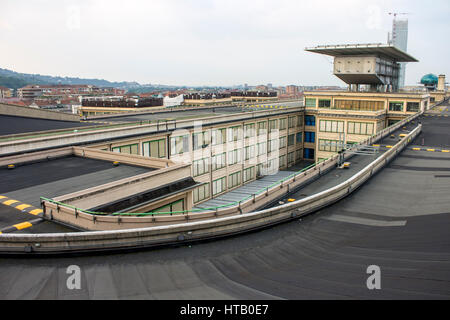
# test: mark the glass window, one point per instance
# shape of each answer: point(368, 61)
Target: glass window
point(359, 105)
point(324, 103)
point(218, 161)
point(262, 148)
point(249, 130)
point(310, 137)
point(200, 140)
point(291, 158)
point(282, 161)
point(362, 128)
point(273, 145)
point(219, 186)
point(129, 149)
point(272, 125)
point(282, 142)
point(179, 144)
point(249, 173)
point(262, 128)
point(234, 179)
point(234, 133)
point(292, 122)
point(218, 136)
point(249, 152)
point(412, 107)
point(310, 102)
point(310, 121)
point(155, 148)
point(234, 156)
point(395, 106)
point(200, 167)
point(283, 124)
point(201, 193)
point(291, 139)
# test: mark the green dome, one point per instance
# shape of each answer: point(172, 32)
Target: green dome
point(429, 79)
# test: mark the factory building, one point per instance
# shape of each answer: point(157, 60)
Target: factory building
point(334, 119)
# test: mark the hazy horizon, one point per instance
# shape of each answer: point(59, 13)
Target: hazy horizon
point(210, 43)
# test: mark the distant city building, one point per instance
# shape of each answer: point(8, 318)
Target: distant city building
point(121, 102)
point(173, 101)
point(262, 88)
point(35, 91)
point(292, 89)
point(254, 96)
point(5, 92)
point(399, 38)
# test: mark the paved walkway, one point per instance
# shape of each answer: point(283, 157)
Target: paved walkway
point(247, 190)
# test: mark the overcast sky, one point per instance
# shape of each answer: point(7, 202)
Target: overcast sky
point(211, 42)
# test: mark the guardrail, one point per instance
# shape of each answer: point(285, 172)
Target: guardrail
point(199, 230)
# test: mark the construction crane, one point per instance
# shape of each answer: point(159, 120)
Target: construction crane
point(398, 13)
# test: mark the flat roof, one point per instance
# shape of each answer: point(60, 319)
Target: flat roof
point(363, 49)
point(179, 115)
point(15, 125)
point(56, 177)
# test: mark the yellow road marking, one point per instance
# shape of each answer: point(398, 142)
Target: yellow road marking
point(3, 197)
point(431, 150)
point(23, 206)
point(416, 149)
point(22, 225)
point(36, 211)
point(389, 147)
point(376, 145)
point(9, 202)
point(445, 150)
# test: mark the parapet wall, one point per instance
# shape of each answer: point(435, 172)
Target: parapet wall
point(27, 112)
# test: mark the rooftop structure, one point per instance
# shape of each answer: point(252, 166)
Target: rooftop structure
point(376, 65)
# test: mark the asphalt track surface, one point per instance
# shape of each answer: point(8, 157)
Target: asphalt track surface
point(15, 125)
point(398, 220)
point(55, 177)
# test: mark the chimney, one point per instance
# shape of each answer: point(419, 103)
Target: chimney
point(441, 82)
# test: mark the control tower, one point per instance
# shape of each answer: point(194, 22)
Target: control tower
point(374, 65)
